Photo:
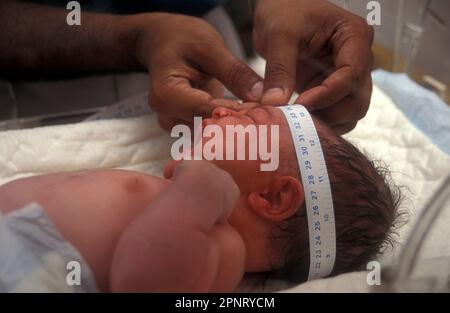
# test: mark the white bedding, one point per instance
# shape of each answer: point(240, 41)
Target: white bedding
point(139, 144)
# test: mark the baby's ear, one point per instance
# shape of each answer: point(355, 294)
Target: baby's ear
point(279, 201)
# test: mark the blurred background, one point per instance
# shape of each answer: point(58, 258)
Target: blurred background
point(414, 37)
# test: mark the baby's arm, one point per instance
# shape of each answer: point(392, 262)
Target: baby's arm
point(177, 243)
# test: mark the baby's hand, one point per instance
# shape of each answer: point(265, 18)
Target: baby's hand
point(181, 241)
point(207, 177)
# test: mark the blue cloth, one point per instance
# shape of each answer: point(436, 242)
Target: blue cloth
point(34, 257)
point(424, 109)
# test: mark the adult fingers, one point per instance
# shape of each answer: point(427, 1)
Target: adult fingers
point(214, 87)
point(217, 61)
point(312, 72)
point(281, 52)
point(167, 123)
point(172, 94)
point(343, 115)
point(352, 57)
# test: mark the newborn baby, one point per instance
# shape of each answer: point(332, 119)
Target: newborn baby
point(205, 225)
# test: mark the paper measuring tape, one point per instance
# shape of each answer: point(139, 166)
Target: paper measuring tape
point(316, 186)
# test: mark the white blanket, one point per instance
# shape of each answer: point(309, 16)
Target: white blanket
point(139, 144)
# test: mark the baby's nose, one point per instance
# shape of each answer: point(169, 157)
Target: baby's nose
point(221, 112)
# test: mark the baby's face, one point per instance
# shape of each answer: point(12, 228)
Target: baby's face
point(254, 222)
point(267, 197)
point(247, 173)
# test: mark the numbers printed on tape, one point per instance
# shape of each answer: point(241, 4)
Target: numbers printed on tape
point(319, 203)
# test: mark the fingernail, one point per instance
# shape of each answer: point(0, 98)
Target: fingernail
point(257, 90)
point(273, 95)
point(224, 103)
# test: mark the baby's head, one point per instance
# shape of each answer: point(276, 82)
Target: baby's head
point(271, 212)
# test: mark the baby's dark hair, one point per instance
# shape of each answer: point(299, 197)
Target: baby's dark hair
point(366, 207)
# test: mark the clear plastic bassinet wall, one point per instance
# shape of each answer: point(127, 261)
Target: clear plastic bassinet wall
point(412, 37)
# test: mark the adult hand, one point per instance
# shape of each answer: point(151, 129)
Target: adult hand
point(319, 50)
point(188, 63)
